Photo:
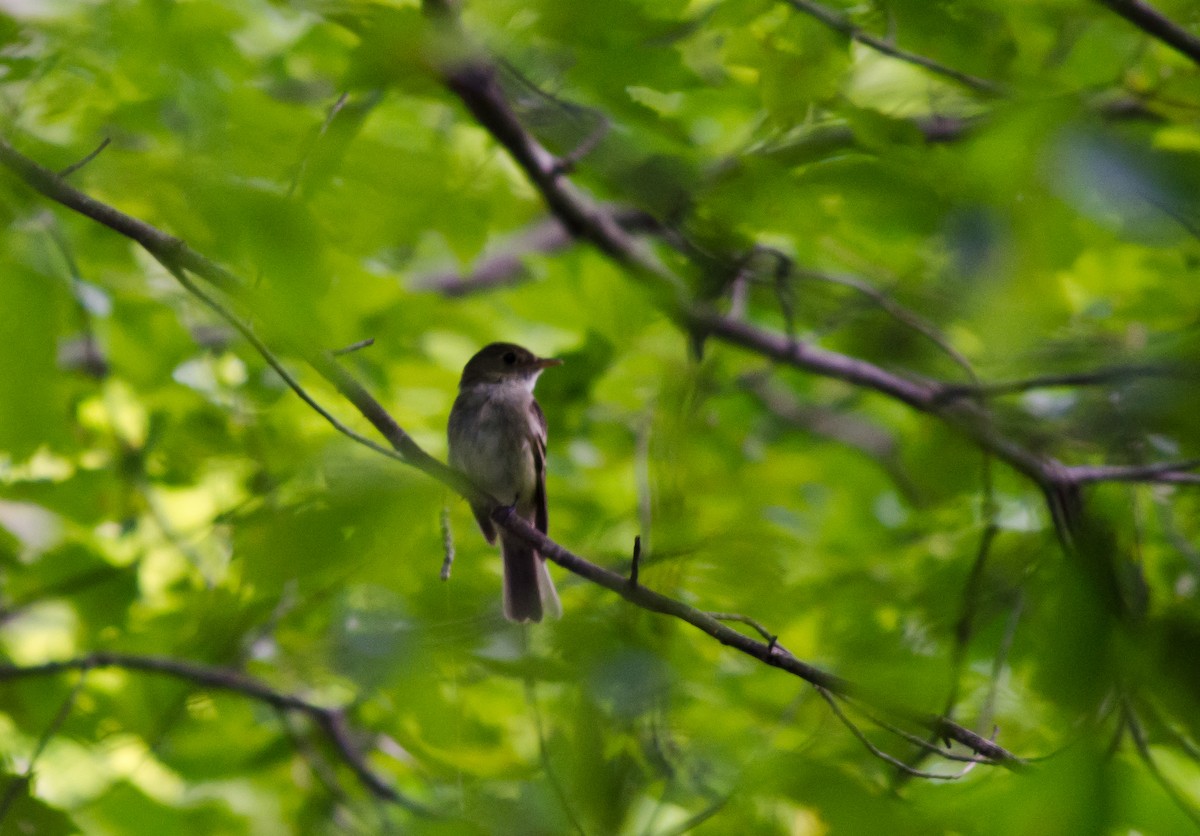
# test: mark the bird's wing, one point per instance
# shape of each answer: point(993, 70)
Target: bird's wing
point(537, 444)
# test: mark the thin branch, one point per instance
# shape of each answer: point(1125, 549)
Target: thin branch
point(317, 765)
point(1157, 25)
point(173, 253)
point(882, 755)
point(544, 756)
point(842, 25)
point(920, 742)
point(1138, 733)
point(1173, 730)
point(1096, 377)
point(737, 618)
point(73, 167)
point(274, 362)
point(473, 80)
point(1161, 472)
point(568, 161)
point(765, 652)
point(836, 425)
point(447, 543)
point(56, 723)
point(155, 241)
point(353, 347)
point(331, 721)
point(507, 266)
point(692, 822)
point(988, 710)
point(302, 167)
point(895, 310)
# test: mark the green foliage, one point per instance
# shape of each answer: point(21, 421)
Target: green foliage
point(163, 493)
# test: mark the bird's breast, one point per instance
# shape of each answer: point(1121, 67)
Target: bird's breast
point(489, 434)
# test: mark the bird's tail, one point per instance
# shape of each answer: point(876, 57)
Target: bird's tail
point(529, 592)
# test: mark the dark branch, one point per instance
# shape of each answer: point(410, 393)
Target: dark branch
point(842, 25)
point(73, 167)
point(1154, 23)
point(411, 453)
point(353, 347)
point(155, 241)
point(1096, 377)
point(507, 267)
point(879, 753)
point(332, 721)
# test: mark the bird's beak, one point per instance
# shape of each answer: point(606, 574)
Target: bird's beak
point(546, 362)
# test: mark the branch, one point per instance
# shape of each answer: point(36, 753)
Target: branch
point(155, 241)
point(1179, 473)
point(21, 781)
point(410, 453)
point(1138, 733)
point(1157, 25)
point(882, 755)
point(842, 25)
point(1096, 377)
point(474, 81)
point(507, 267)
point(332, 721)
point(835, 425)
point(73, 167)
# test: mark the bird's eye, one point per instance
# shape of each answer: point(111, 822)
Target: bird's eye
point(509, 357)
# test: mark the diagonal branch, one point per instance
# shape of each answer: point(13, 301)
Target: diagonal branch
point(165, 247)
point(332, 721)
point(473, 80)
point(1095, 377)
point(1157, 25)
point(842, 25)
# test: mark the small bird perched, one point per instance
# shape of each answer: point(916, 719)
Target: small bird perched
point(498, 439)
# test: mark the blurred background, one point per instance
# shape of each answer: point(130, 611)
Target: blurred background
point(1022, 205)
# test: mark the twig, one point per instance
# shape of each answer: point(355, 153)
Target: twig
point(836, 425)
point(447, 543)
point(692, 822)
point(317, 764)
point(838, 23)
point(988, 709)
point(882, 755)
point(544, 755)
point(1164, 472)
point(505, 268)
point(772, 639)
point(1154, 23)
point(21, 781)
point(1097, 377)
point(928, 746)
point(567, 162)
point(353, 347)
point(174, 254)
point(1138, 733)
point(248, 333)
point(332, 721)
point(73, 167)
point(895, 310)
point(302, 166)
point(635, 564)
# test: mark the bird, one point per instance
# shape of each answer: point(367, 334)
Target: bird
point(497, 435)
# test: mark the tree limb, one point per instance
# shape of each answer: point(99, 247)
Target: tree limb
point(332, 721)
point(1157, 25)
point(165, 248)
point(842, 25)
